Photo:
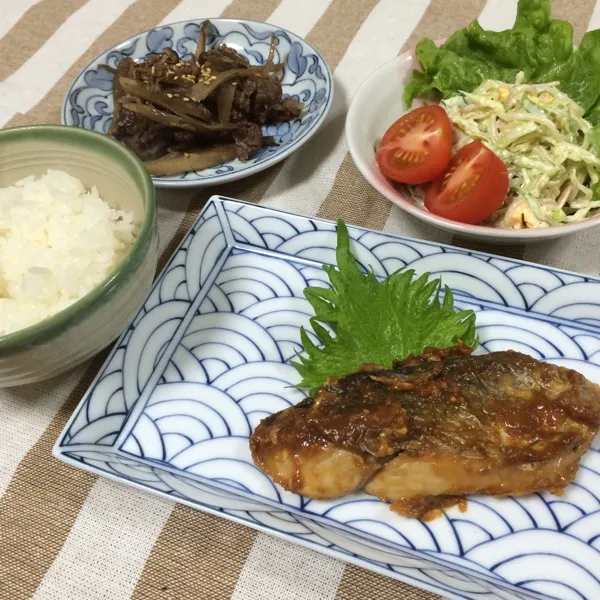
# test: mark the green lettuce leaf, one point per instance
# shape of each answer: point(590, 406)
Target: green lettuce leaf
point(361, 319)
point(580, 76)
point(594, 137)
point(537, 45)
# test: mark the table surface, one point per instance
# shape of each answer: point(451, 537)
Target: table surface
point(66, 534)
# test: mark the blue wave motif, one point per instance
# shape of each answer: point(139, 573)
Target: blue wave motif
point(89, 102)
point(157, 39)
point(206, 359)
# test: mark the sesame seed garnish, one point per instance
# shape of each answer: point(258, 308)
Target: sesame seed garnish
point(169, 95)
point(176, 77)
point(186, 99)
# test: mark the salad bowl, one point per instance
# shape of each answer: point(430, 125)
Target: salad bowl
point(369, 117)
point(306, 78)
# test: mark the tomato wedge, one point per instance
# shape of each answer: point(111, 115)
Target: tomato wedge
point(473, 187)
point(417, 147)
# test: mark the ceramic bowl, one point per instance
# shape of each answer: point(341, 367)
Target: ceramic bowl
point(306, 78)
point(376, 105)
point(90, 324)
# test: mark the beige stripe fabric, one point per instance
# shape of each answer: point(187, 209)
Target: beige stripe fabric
point(577, 12)
point(196, 556)
point(332, 41)
point(116, 524)
point(259, 10)
point(357, 584)
point(67, 535)
point(31, 31)
point(24, 88)
point(12, 12)
point(351, 197)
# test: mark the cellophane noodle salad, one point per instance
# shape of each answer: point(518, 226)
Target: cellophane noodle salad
point(546, 144)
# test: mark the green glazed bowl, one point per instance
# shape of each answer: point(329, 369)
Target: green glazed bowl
point(83, 329)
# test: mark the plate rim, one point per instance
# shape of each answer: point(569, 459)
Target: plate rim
point(336, 554)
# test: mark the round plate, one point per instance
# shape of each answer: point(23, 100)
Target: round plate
point(306, 78)
point(370, 115)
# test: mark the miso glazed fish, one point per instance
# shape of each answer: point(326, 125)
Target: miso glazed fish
point(433, 429)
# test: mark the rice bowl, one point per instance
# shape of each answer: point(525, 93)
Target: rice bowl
point(92, 320)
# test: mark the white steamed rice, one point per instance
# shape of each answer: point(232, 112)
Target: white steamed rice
point(58, 241)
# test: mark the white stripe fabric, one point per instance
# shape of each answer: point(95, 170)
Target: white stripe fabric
point(107, 546)
point(12, 12)
point(276, 570)
point(196, 9)
point(595, 18)
point(22, 90)
point(570, 253)
point(498, 15)
point(306, 178)
point(288, 16)
point(22, 422)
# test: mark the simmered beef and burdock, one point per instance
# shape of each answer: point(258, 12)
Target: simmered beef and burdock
point(191, 114)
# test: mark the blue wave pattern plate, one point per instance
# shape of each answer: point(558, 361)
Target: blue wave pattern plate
point(306, 78)
point(206, 359)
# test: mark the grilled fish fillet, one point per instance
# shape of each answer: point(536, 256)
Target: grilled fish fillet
point(434, 429)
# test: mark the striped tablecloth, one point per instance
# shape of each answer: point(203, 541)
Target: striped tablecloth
point(65, 534)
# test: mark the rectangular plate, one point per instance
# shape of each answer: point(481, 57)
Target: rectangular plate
point(206, 359)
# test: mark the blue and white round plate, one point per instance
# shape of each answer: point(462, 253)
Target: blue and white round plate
point(306, 78)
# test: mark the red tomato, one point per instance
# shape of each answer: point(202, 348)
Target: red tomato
point(417, 147)
point(473, 187)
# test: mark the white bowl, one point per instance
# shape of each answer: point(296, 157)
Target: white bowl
point(376, 105)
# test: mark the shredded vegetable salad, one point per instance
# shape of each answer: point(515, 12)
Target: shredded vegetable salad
point(545, 142)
